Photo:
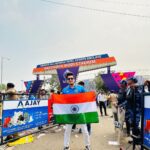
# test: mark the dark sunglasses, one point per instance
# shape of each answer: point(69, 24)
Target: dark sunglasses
point(70, 78)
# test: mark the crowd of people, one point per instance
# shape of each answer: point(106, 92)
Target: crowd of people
point(125, 105)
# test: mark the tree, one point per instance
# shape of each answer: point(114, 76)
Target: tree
point(2, 87)
point(54, 82)
point(99, 83)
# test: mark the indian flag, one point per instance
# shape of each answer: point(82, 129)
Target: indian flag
point(75, 108)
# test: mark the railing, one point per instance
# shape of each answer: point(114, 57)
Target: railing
point(27, 112)
point(145, 126)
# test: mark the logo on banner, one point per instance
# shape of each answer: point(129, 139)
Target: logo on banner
point(62, 75)
point(28, 103)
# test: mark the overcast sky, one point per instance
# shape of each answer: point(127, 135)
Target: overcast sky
point(34, 32)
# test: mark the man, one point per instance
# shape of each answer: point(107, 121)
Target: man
point(88, 125)
point(74, 89)
point(122, 102)
point(102, 102)
point(113, 98)
point(11, 94)
point(133, 106)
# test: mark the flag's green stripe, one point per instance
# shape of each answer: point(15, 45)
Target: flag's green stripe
point(82, 118)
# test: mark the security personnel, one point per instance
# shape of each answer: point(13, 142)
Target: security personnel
point(122, 93)
point(122, 103)
point(133, 106)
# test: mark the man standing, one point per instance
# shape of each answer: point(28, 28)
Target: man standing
point(74, 89)
point(113, 98)
point(122, 102)
point(11, 94)
point(133, 106)
point(102, 102)
point(88, 125)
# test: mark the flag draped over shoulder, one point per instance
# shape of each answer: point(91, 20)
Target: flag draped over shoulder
point(75, 108)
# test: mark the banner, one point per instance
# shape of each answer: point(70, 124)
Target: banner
point(119, 76)
point(62, 75)
point(146, 138)
point(28, 85)
point(74, 60)
point(112, 81)
point(33, 86)
point(20, 115)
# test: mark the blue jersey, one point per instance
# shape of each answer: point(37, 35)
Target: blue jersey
point(74, 90)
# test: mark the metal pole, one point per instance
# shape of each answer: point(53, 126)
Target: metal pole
point(1, 71)
point(22, 82)
point(2, 59)
point(142, 119)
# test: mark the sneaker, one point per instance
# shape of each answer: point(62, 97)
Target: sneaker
point(66, 148)
point(87, 147)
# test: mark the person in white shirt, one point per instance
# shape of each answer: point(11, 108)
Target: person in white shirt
point(102, 98)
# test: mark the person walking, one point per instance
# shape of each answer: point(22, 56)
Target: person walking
point(74, 89)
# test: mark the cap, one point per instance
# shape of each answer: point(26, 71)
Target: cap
point(133, 79)
point(124, 82)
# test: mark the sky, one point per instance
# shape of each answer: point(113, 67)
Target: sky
point(34, 32)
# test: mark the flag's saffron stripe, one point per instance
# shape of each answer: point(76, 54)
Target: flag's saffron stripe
point(82, 118)
point(74, 98)
point(74, 108)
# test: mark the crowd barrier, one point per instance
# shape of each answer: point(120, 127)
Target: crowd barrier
point(30, 112)
point(145, 122)
point(25, 113)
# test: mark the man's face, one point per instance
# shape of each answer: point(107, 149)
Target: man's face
point(122, 86)
point(70, 80)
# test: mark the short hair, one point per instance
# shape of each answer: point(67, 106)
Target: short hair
point(58, 92)
point(10, 85)
point(112, 91)
point(69, 74)
point(52, 91)
point(81, 83)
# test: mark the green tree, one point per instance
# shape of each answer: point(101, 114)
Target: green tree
point(99, 83)
point(54, 82)
point(2, 87)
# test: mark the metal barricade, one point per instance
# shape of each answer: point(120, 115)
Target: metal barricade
point(24, 105)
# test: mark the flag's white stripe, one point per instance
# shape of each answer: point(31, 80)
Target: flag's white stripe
point(68, 108)
point(147, 102)
point(13, 104)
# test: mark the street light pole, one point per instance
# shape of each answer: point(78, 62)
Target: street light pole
point(1, 70)
point(22, 82)
point(2, 59)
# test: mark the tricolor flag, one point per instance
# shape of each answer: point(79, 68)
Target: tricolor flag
point(75, 108)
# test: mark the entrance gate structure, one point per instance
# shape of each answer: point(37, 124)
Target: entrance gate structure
point(79, 65)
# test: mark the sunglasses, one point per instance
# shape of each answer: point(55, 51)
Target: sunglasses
point(70, 78)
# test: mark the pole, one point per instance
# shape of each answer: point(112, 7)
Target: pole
point(1, 70)
point(2, 59)
point(22, 82)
